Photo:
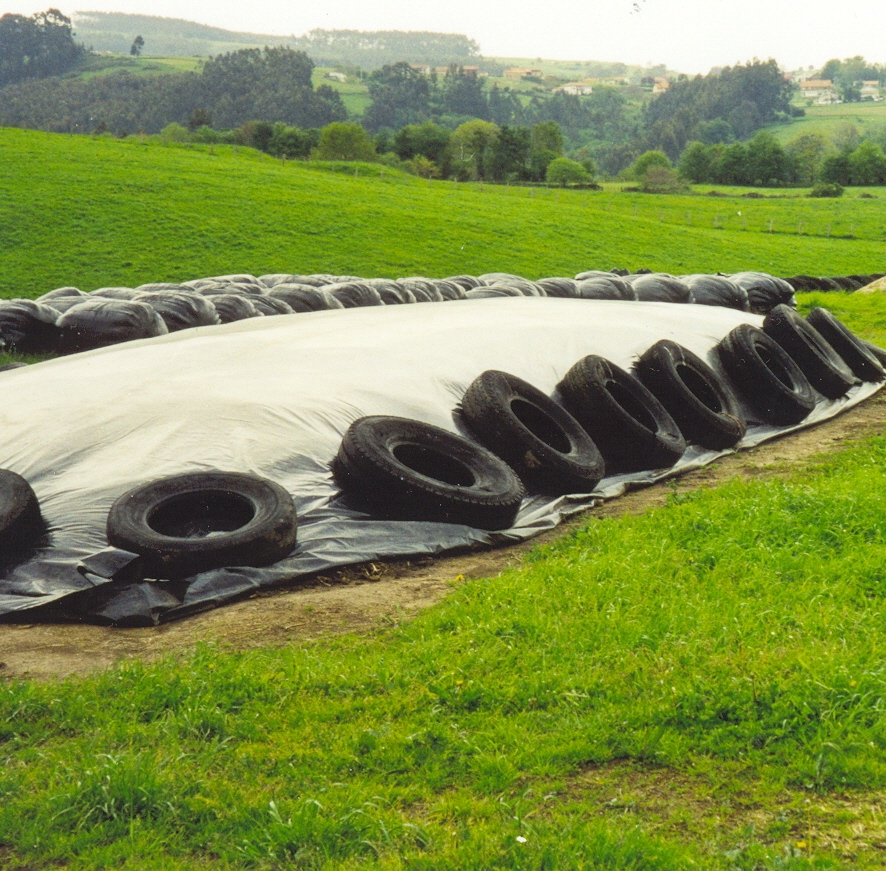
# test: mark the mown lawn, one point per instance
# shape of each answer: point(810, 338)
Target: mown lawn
point(103, 212)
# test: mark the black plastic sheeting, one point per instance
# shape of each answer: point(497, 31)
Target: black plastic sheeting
point(273, 397)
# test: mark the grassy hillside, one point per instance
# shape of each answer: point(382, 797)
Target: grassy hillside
point(115, 31)
point(98, 212)
point(146, 65)
point(828, 119)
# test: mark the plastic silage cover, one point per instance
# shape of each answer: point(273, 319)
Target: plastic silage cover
point(273, 397)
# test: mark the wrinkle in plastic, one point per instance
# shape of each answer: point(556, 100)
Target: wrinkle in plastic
point(273, 397)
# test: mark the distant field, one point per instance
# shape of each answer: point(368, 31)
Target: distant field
point(826, 119)
point(94, 212)
point(354, 93)
point(101, 65)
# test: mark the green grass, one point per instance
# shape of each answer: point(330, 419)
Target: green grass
point(98, 212)
point(102, 65)
point(828, 119)
point(354, 93)
point(698, 687)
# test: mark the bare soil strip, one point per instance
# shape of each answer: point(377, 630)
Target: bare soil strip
point(364, 598)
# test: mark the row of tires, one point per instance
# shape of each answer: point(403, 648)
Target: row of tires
point(67, 320)
point(844, 283)
point(602, 420)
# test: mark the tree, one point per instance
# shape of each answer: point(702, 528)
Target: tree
point(767, 163)
point(471, 149)
point(695, 162)
point(563, 171)
point(510, 154)
point(867, 165)
point(646, 161)
point(36, 47)
point(344, 141)
point(137, 45)
point(806, 152)
point(400, 96)
point(428, 140)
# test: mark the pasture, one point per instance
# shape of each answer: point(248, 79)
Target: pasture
point(95, 212)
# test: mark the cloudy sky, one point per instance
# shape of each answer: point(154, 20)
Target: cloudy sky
point(687, 35)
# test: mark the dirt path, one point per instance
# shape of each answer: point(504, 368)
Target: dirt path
point(362, 598)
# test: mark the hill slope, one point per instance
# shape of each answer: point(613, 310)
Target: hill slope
point(115, 31)
point(94, 212)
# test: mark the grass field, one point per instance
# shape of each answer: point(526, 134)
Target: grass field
point(828, 119)
point(100, 212)
point(145, 65)
point(699, 687)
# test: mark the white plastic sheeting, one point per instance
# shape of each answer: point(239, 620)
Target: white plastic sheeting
point(273, 397)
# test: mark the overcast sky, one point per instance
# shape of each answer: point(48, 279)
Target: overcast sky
point(688, 35)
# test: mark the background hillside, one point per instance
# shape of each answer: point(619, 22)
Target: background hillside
point(95, 212)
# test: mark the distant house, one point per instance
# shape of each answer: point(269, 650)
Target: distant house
point(661, 85)
point(424, 69)
point(335, 76)
point(870, 90)
point(578, 89)
point(521, 73)
point(821, 91)
point(472, 71)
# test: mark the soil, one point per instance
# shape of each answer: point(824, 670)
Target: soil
point(366, 597)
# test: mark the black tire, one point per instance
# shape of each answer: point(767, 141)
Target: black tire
point(629, 426)
point(820, 363)
point(355, 294)
point(850, 348)
point(403, 469)
point(659, 287)
point(20, 521)
point(566, 288)
point(766, 376)
point(272, 305)
point(186, 524)
point(544, 444)
point(704, 408)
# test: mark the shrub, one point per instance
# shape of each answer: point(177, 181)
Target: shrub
point(563, 171)
point(827, 189)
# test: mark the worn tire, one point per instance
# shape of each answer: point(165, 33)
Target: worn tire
point(186, 524)
point(544, 444)
point(404, 469)
point(820, 363)
point(20, 521)
point(630, 427)
point(704, 408)
point(850, 348)
point(766, 376)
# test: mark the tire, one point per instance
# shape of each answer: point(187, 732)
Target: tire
point(703, 407)
point(20, 521)
point(403, 469)
point(766, 376)
point(544, 444)
point(850, 348)
point(820, 363)
point(186, 524)
point(631, 428)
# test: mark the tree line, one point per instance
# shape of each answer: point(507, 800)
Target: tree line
point(272, 83)
point(37, 46)
point(807, 160)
